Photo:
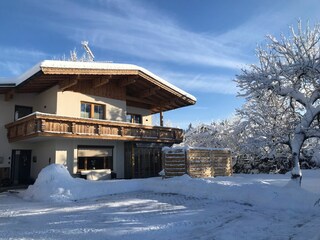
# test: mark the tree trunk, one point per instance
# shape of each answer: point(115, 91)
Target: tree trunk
point(296, 171)
point(296, 144)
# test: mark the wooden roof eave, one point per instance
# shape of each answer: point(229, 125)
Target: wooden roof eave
point(133, 72)
point(7, 89)
point(165, 87)
point(85, 71)
point(28, 80)
point(148, 97)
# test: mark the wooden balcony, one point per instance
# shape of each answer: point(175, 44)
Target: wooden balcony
point(49, 125)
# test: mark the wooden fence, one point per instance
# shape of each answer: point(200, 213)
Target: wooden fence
point(197, 162)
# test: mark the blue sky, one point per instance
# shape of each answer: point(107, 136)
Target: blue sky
point(197, 45)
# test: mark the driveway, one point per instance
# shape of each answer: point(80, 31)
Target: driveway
point(146, 215)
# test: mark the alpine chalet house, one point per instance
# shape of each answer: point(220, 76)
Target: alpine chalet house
point(88, 116)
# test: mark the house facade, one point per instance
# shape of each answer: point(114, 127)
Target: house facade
point(87, 116)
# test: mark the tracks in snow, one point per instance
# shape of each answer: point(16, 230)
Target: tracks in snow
point(148, 215)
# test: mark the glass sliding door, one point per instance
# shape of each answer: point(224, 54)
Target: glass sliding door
point(142, 160)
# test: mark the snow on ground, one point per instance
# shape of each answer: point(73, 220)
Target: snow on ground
point(260, 206)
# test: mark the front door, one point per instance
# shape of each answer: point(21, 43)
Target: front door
point(21, 165)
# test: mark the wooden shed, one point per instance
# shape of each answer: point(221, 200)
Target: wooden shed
point(197, 162)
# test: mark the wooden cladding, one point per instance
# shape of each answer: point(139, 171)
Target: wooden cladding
point(65, 84)
point(175, 162)
point(209, 163)
point(106, 89)
point(46, 125)
point(197, 162)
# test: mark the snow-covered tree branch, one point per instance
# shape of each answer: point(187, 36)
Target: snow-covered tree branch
point(289, 68)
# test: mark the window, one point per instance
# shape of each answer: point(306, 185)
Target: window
point(93, 157)
point(85, 110)
point(92, 110)
point(98, 112)
point(134, 118)
point(21, 111)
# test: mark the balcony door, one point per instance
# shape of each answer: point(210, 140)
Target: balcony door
point(21, 111)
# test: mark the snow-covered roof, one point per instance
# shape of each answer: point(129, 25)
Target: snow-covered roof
point(96, 66)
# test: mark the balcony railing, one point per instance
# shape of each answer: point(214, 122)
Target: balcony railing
point(50, 125)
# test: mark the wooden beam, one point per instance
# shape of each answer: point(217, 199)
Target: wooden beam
point(139, 100)
point(148, 92)
point(65, 84)
point(127, 82)
point(166, 104)
point(101, 82)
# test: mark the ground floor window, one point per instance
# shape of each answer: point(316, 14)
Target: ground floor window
point(95, 157)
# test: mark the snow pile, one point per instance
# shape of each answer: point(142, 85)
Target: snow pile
point(55, 184)
point(244, 189)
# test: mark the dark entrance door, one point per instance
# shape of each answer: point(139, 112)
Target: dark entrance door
point(21, 165)
point(143, 159)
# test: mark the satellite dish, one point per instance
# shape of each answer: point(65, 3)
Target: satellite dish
point(90, 56)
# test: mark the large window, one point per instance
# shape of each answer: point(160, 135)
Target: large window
point(134, 118)
point(21, 111)
point(92, 157)
point(92, 110)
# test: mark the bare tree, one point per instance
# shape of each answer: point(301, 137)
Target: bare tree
point(290, 68)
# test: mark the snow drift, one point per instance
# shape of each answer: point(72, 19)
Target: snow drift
point(54, 183)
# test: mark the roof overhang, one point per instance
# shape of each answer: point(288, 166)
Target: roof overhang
point(143, 88)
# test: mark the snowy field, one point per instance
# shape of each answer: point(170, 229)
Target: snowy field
point(58, 206)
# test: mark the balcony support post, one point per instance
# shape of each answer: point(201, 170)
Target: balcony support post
point(161, 118)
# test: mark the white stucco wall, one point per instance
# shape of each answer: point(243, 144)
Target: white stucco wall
point(64, 151)
point(69, 104)
point(47, 101)
point(7, 116)
point(59, 150)
point(44, 154)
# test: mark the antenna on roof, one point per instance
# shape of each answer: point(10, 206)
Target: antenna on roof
point(85, 45)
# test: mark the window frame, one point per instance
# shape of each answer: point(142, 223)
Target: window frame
point(92, 110)
point(89, 162)
point(22, 111)
point(132, 117)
